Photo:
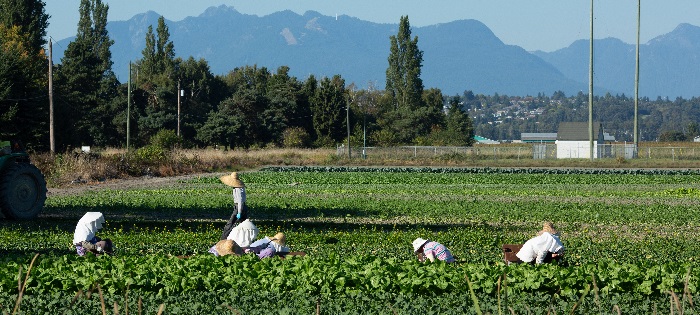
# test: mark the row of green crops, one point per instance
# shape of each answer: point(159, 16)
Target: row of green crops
point(327, 276)
point(370, 303)
point(479, 170)
point(634, 232)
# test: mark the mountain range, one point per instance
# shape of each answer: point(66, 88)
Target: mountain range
point(458, 56)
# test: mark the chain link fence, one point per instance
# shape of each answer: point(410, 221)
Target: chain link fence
point(528, 151)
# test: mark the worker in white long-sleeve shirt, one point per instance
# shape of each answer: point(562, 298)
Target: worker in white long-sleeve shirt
point(240, 211)
point(539, 248)
point(85, 239)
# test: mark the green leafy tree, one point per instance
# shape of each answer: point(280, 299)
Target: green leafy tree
point(286, 108)
point(23, 65)
point(308, 91)
point(31, 18)
point(201, 91)
point(328, 109)
point(221, 127)
point(672, 136)
point(239, 113)
point(459, 125)
point(364, 109)
point(693, 130)
point(22, 105)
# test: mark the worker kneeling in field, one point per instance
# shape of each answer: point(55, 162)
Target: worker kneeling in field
point(226, 247)
point(84, 238)
point(269, 246)
point(243, 234)
point(544, 247)
point(431, 250)
point(240, 211)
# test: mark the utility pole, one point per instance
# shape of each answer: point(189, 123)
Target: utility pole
point(370, 90)
point(347, 122)
point(52, 142)
point(179, 92)
point(128, 107)
point(590, 90)
point(636, 83)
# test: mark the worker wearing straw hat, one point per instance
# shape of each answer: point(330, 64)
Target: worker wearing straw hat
point(544, 247)
point(431, 250)
point(226, 247)
point(240, 212)
point(269, 246)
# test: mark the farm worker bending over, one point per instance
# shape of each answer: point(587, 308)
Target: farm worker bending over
point(538, 248)
point(431, 250)
point(268, 246)
point(226, 247)
point(240, 211)
point(244, 234)
point(85, 239)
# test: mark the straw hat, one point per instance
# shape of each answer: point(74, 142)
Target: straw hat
point(417, 243)
point(279, 238)
point(278, 242)
point(232, 180)
point(549, 228)
point(227, 247)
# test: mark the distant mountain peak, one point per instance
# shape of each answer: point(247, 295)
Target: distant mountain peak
point(685, 35)
point(458, 56)
point(218, 10)
point(685, 27)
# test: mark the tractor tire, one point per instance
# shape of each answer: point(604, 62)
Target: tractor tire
point(22, 192)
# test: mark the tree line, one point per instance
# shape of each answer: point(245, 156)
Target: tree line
point(248, 107)
point(256, 107)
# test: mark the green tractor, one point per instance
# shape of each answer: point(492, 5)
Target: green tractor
point(22, 186)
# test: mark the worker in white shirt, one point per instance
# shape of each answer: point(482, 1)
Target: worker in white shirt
point(543, 247)
point(240, 211)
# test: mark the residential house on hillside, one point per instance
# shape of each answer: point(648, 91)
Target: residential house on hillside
point(573, 141)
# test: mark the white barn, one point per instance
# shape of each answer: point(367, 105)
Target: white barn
point(573, 141)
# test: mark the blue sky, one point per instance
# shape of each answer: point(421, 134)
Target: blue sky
point(545, 25)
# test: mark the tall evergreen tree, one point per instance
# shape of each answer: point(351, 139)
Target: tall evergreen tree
point(405, 88)
point(86, 84)
point(328, 110)
point(403, 80)
point(157, 83)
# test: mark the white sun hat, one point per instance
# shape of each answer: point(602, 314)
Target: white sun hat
point(417, 243)
point(244, 233)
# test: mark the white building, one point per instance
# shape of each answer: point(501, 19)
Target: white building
point(573, 141)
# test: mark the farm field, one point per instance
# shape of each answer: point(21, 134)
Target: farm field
point(631, 238)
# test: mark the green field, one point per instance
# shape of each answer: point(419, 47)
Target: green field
point(631, 238)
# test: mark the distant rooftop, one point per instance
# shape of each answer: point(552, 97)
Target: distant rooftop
point(530, 137)
point(577, 131)
point(483, 140)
